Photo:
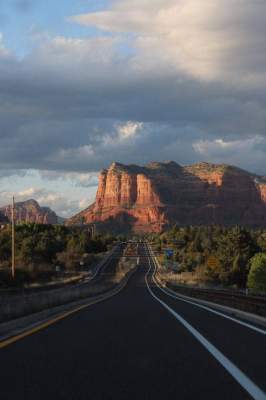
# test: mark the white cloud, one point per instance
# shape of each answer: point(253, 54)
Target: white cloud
point(222, 147)
point(64, 192)
point(89, 179)
point(122, 134)
point(62, 204)
point(208, 39)
point(84, 203)
point(4, 52)
point(79, 152)
point(248, 153)
point(29, 193)
point(22, 195)
point(129, 130)
point(70, 55)
point(190, 70)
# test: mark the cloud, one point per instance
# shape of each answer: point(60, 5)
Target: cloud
point(30, 192)
point(208, 39)
point(129, 130)
point(220, 146)
point(79, 179)
point(61, 191)
point(3, 50)
point(167, 75)
point(248, 153)
point(61, 204)
point(6, 173)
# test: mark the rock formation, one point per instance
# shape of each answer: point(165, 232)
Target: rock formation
point(30, 211)
point(158, 195)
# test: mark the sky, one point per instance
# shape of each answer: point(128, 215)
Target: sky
point(84, 83)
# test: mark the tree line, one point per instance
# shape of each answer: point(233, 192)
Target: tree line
point(232, 257)
point(42, 248)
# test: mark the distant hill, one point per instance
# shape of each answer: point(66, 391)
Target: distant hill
point(158, 195)
point(31, 211)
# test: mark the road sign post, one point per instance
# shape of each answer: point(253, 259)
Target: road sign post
point(168, 256)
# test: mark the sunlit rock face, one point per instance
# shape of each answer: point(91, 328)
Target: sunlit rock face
point(30, 211)
point(158, 195)
point(262, 189)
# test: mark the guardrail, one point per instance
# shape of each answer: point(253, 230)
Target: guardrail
point(81, 277)
point(253, 304)
point(13, 307)
point(249, 303)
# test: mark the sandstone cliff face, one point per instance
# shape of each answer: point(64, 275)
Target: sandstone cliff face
point(151, 198)
point(121, 187)
point(262, 190)
point(30, 211)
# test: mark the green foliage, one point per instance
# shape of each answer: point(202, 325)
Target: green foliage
point(38, 247)
point(262, 241)
point(231, 248)
point(257, 273)
point(235, 248)
point(5, 245)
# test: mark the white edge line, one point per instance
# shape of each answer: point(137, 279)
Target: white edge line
point(71, 311)
point(102, 266)
point(175, 296)
point(246, 383)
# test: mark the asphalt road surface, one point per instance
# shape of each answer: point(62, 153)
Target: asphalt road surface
point(140, 344)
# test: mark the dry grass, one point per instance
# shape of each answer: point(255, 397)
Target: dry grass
point(196, 278)
point(124, 267)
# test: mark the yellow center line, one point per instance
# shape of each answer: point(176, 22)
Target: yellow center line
point(52, 321)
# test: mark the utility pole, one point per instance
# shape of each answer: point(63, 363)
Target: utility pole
point(93, 231)
point(13, 238)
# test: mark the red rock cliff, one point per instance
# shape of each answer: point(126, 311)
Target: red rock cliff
point(30, 211)
point(153, 197)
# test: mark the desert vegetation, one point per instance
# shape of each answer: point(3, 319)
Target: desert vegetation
point(214, 255)
point(43, 250)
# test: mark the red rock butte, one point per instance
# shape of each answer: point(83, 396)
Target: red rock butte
point(30, 211)
point(158, 195)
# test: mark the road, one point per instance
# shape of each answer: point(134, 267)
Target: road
point(107, 266)
point(139, 344)
point(100, 273)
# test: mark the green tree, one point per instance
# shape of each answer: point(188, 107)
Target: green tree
point(27, 250)
point(5, 246)
point(257, 273)
point(235, 249)
point(262, 241)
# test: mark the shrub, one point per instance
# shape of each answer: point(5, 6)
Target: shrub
point(257, 273)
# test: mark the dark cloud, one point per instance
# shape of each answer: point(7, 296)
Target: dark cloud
point(67, 106)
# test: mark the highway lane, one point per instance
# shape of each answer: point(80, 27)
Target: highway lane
point(131, 347)
point(106, 266)
point(99, 273)
point(242, 343)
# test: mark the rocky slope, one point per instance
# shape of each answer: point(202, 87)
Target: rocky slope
point(30, 211)
point(158, 195)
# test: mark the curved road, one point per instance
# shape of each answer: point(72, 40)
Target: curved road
point(140, 344)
